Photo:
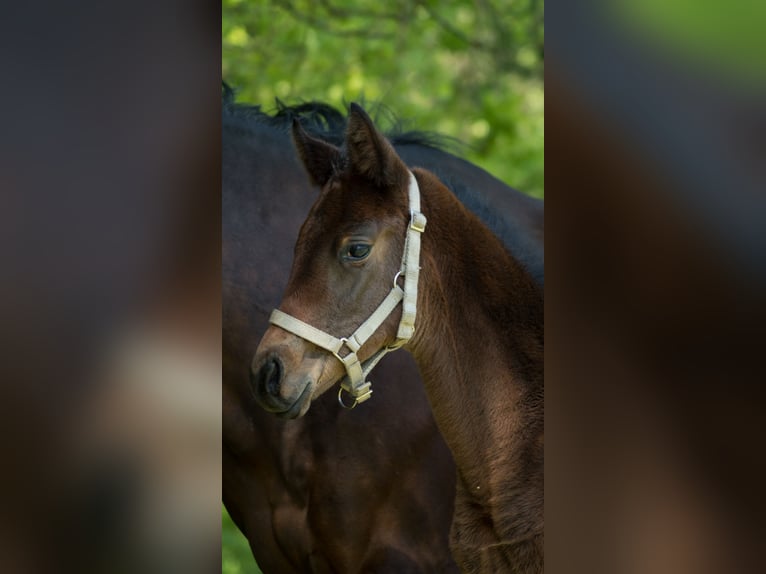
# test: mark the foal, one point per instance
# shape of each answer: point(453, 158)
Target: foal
point(478, 331)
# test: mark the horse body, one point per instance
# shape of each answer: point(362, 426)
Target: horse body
point(478, 341)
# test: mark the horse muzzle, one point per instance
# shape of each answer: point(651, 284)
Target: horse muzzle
point(275, 392)
point(286, 373)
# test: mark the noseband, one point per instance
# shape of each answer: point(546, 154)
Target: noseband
point(355, 382)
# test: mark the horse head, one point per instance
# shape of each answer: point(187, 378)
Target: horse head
point(340, 311)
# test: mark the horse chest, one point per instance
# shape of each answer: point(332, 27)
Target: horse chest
point(487, 537)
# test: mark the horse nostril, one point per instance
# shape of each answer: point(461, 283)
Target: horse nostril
point(270, 376)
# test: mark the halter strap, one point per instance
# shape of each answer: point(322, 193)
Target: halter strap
point(355, 382)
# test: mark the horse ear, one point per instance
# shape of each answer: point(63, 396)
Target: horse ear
point(369, 153)
point(319, 158)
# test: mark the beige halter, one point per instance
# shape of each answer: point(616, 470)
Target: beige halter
point(355, 383)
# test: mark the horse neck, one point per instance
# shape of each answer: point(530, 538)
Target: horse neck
point(478, 340)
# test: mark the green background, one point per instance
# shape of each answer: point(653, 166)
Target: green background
point(472, 70)
point(236, 557)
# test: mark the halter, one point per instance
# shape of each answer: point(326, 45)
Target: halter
point(355, 382)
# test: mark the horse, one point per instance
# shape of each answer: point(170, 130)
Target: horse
point(381, 476)
point(371, 266)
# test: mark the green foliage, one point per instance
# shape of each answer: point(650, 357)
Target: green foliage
point(471, 70)
point(236, 557)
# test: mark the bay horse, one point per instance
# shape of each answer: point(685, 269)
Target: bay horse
point(345, 491)
point(389, 257)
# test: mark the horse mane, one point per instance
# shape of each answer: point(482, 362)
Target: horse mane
point(325, 122)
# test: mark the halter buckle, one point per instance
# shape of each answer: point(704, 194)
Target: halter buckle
point(417, 221)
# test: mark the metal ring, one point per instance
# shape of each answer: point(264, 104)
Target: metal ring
point(396, 278)
point(340, 400)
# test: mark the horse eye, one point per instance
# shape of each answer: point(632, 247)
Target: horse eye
point(357, 251)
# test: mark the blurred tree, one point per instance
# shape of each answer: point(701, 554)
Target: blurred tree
point(469, 69)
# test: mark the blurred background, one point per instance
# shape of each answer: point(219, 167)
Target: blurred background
point(469, 70)
point(110, 302)
point(466, 69)
point(655, 286)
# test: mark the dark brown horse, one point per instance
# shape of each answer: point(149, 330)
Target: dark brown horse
point(478, 339)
